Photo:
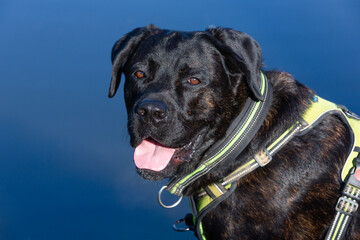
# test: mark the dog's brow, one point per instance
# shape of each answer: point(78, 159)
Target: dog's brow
point(183, 68)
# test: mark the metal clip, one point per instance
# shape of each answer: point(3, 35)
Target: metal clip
point(349, 113)
point(168, 206)
point(346, 206)
point(180, 229)
point(263, 157)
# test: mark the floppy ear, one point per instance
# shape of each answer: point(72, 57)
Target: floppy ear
point(241, 51)
point(121, 51)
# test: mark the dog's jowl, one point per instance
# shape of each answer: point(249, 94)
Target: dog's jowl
point(259, 155)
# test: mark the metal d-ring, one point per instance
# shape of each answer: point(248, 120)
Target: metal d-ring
point(180, 229)
point(168, 206)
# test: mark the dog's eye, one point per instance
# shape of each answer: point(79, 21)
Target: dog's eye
point(139, 74)
point(194, 81)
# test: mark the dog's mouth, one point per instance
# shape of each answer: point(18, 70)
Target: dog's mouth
point(152, 155)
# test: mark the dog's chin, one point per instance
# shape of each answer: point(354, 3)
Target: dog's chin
point(151, 175)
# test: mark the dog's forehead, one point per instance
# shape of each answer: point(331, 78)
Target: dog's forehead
point(174, 45)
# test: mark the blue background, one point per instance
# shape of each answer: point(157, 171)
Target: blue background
point(66, 167)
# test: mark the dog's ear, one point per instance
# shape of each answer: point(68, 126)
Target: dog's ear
point(242, 54)
point(121, 51)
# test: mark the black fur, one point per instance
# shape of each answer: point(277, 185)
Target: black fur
point(291, 198)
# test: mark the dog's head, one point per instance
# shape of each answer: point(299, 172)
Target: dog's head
point(182, 90)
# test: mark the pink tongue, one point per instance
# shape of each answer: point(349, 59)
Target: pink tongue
point(151, 156)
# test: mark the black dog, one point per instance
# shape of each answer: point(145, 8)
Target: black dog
point(182, 92)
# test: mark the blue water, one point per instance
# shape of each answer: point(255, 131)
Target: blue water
point(66, 168)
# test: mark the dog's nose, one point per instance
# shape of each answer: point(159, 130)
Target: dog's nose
point(152, 111)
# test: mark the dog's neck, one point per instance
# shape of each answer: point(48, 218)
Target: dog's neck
point(238, 135)
point(289, 97)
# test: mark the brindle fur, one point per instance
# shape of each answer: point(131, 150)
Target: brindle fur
point(294, 196)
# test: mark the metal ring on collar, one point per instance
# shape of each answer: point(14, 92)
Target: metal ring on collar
point(168, 206)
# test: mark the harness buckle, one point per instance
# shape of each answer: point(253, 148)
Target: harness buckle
point(346, 206)
point(168, 206)
point(263, 157)
point(351, 192)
